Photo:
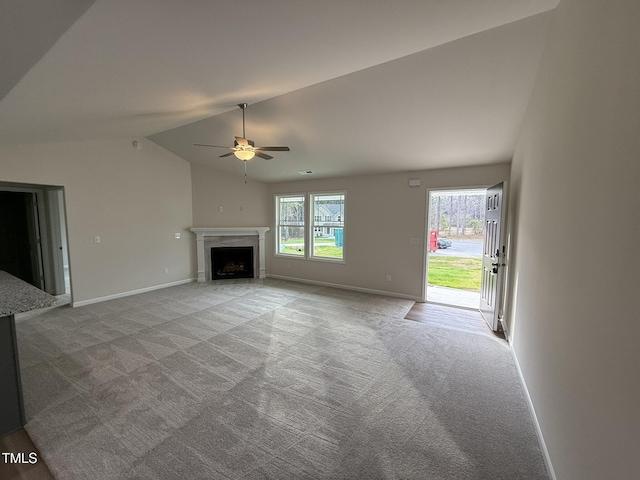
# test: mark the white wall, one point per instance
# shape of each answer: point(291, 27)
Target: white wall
point(382, 214)
point(243, 205)
point(135, 200)
point(575, 274)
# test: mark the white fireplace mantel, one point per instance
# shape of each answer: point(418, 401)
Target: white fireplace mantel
point(202, 232)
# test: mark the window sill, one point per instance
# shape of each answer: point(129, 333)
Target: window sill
point(289, 256)
point(327, 259)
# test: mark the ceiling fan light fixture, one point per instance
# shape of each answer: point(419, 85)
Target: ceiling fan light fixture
point(244, 154)
point(243, 148)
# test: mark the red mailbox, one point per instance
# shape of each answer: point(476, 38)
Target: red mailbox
point(433, 240)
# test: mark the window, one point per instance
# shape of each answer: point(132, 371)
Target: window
point(322, 225)
point(291, 225)
point(330, 207)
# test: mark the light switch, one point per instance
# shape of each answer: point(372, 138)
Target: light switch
point(96, 239)
point(177, 234)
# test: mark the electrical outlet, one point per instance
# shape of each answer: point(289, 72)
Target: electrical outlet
point(96, 239)
point(177, 234)
point(388, 278)
point(166, 271)
point(220, 209)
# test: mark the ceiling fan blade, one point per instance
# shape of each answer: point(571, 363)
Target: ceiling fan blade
point(242, 141)
point(274, 149)
point(263, 155)
point(205, 145)
point(226, 154)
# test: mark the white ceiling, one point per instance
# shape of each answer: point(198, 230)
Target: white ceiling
point(352, 86)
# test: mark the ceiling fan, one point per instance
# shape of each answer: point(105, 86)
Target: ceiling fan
point(245, 149)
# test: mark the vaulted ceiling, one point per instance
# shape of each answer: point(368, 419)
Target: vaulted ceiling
point(352, 86)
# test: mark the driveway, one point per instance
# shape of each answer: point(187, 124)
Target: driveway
point(461, 249)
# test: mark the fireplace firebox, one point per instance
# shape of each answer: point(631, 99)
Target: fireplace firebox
point(231, 262)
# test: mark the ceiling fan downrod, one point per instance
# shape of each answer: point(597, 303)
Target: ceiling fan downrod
point(243, 106)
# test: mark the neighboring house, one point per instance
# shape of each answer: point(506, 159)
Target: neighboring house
point(327, 218)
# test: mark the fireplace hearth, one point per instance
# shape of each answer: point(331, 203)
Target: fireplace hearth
point(231, 262)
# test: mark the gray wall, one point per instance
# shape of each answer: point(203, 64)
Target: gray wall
point(382, 214)
point(243, 204)
point(574, 203)
point(135, 200)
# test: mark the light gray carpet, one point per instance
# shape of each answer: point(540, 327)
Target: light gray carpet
point(270, 379)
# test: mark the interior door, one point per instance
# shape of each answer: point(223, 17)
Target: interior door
point(35, 239)
point(493, 258)
point(56, 284)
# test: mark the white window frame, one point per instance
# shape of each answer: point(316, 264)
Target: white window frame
point(280, 224)
point(322, 225)
point(310, 225)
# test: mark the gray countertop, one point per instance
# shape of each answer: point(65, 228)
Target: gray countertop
point(17, 296)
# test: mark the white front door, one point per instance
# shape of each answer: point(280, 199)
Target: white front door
point(493, 258)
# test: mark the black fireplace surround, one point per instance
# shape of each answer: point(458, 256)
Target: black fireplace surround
point(231, 262)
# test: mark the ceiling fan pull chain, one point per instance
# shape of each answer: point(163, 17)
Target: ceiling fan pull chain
point(245, 172)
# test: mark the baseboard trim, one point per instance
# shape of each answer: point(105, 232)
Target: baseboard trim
point(543, 445)
point(131, 292)
point(345, 287)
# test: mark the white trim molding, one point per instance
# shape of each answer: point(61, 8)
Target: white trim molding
point(131, 292)
point(202, 232)
point(347, 287)
point(536, 423)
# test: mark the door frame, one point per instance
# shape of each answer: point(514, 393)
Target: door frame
point(38, 236)
point(45, 224)
point(425, 252)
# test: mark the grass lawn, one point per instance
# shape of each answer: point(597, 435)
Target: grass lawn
point(291, 240)
point(455, 272)
point(321, 250)
point(293, 250)
point(328, 251)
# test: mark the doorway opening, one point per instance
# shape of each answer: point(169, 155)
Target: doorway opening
point(33, 237)
point(455, 247)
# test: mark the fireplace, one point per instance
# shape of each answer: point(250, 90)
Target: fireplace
point(210, 237)
point(231, 262)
